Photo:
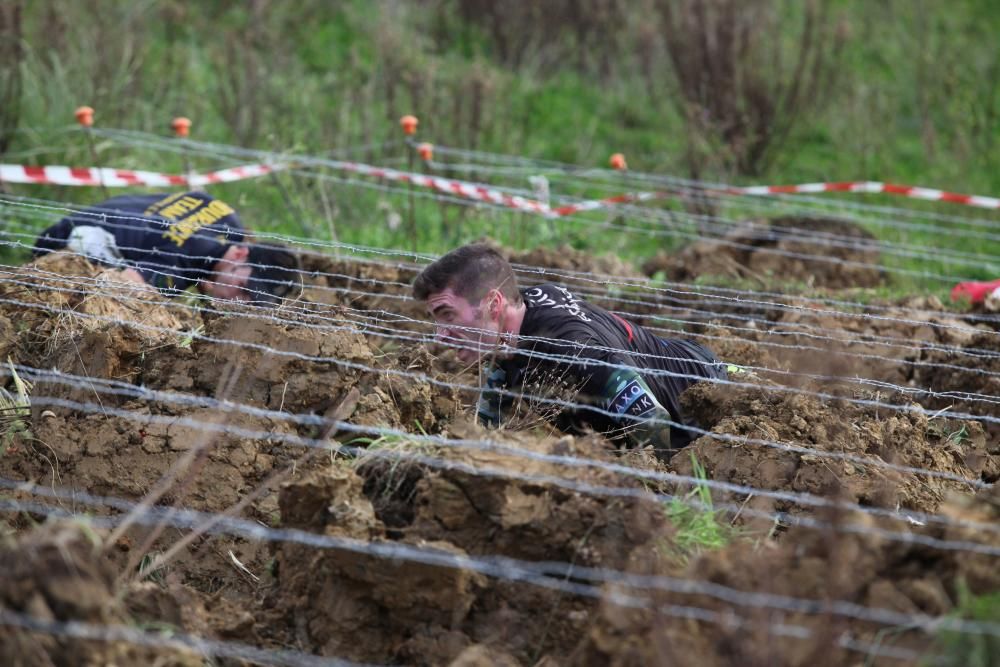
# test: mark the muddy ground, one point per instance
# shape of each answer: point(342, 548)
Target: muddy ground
point(818, 252)
point(99, 428)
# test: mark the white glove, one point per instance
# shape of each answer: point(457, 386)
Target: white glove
point(95, 244)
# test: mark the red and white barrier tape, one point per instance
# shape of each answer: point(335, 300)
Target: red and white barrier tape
point(465, 189)
point(871, 187)
point(116, 178)
point(110, 177)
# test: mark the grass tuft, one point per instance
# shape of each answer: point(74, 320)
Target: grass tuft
point(696, 520)
point(15, 411)
point(967, 649)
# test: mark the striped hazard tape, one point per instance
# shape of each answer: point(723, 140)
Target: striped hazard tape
point(464, 189)
point(871, 187)
point(109, 177)
point(116, 178)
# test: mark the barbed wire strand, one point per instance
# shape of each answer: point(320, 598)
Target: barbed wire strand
point(614, 177)
point(556, 575)
point(673, 232)
point(800, 498)
point(177, 641)
point(215, 648)
point(592, 408)
point(867, 338)
point(672, 289)
point(383, 331)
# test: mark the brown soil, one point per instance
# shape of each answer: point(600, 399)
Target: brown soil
point(909, 439)
point(363, 607)
point(350, 605)
point(967, 377)
point(52, 574)
point(805, 564)
point(764, 251)
point(568, 259)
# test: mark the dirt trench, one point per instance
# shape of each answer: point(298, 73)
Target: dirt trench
point(369, 609)
point(359, 606)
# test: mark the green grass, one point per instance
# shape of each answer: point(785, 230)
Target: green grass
point(913, 103)
point(699, 526)
point(15, 411)
point(967, 649)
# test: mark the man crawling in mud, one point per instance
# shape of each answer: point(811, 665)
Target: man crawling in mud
point(542, 339)
point(172, 242)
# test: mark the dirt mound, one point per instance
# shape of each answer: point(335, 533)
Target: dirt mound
point(370, 286)
point(54, 575)
point(900, 438)
point(899, 345)
point(69, 282)
point(780, 250)
point(62, 312)
point(862, 569)
point(567, 258)
point(122, 444)
point(961, 379)
point(363, 607)
point(260, 363)
point(267, 363)
point(878, 344)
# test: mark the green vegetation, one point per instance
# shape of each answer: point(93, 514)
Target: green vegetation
point(899, 90)
point(158, 575)
point(959, 435)
point(970, 649)
point(15, 411)
point(699, 526)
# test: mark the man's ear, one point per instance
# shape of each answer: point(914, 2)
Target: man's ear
point(496, 304)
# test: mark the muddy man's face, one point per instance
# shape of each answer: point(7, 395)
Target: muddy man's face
point(230, 275)
point(467, 325)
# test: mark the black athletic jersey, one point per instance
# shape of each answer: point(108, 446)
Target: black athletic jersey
point(586, 334)
point(173, 241)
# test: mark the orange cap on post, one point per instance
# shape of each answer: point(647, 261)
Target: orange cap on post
point(409, 124)
point(84, 116)
point(181, 126)
point(426, 151)
point(617, 161)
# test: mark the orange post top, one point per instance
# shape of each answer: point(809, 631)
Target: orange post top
point(181, 126)
point(426, 151)
point(617, 161)
point(409, 124)
point(84, 116)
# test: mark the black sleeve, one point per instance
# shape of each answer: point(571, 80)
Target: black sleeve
point(607, 379)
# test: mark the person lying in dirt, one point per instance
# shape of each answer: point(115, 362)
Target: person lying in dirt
point(544, 339)
point(172, 242)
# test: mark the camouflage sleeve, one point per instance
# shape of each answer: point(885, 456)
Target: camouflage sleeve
point(641, 417)
point(489, 409)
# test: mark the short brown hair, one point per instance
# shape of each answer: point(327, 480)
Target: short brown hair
point(471, 272)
